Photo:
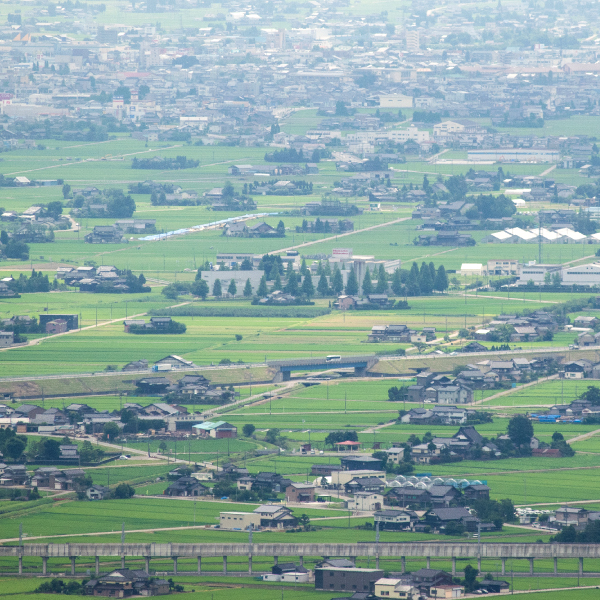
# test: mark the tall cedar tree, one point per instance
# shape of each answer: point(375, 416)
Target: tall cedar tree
point(292, 284)
point(367, 286)
point(397, 283)
point(308, 288)
point(441, 279)
point(323, 286)
point(352, 284)
point(337, 281)
point(232, 289)
point(262, 287)
point(382, 286)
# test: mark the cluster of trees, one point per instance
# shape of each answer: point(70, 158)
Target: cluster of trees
point(58, 586)
point(89, 453)
point(488, 206)
point(12, 445)
point(420, 281)
point(569, 535)
point(118, 205)
point(495, 511)
point(174, 327)
point(198, 288)
point(20, 495)
point(37, 282)
point(424, 116)
point(47, 448)
point(319, 226)
point(340, 436)
point(13, 248)
point(397, 394)
point(179, 162)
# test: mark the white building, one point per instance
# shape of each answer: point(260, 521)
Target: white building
point(535, 273)
point(366, 501)
point(396, 135)
point(238, 520)
point(395, 588)
point(473, 269)
point(503, 267)
point(395, 100)
point(588, 275)
point(514, 154)
point(413, 41)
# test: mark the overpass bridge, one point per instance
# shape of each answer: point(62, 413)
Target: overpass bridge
point(174, 551)
point(360, 364)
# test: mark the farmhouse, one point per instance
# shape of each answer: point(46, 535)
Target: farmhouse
point(216, 430)
point(123, 583)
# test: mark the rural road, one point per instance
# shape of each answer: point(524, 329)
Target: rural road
point(341, 235)
point(513, 390)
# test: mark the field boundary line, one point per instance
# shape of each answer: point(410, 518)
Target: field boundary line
point(341, 235)
point(515, 389)
point(38, 341)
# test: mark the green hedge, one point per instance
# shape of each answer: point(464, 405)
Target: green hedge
point(242, 311)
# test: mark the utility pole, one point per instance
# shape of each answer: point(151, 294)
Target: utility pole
point(539, 237)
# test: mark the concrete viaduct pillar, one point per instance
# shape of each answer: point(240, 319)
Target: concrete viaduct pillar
point(44, 565)
point(453, 566)
point(479, 563)
point(72, 565)
point(97, 565)
point(276, 558)
point(301, 560)
point(403, 561)
point(250, 564)
point(531, 566)
point(174, 565)
point(199, 565)
point(580, 566)
point(20, 564)
point(122, 561)
point(504, 566)
point(429, 562)
point(147, 565)
point(555, 565)
point(224, 565)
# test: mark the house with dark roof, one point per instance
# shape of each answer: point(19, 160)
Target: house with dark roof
point(425, 579)
point(275, 517)
point(365, 484)
point(122, 583)
point(443, 495)
point(186, 486)
point(395, 520)
point(360, 463)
